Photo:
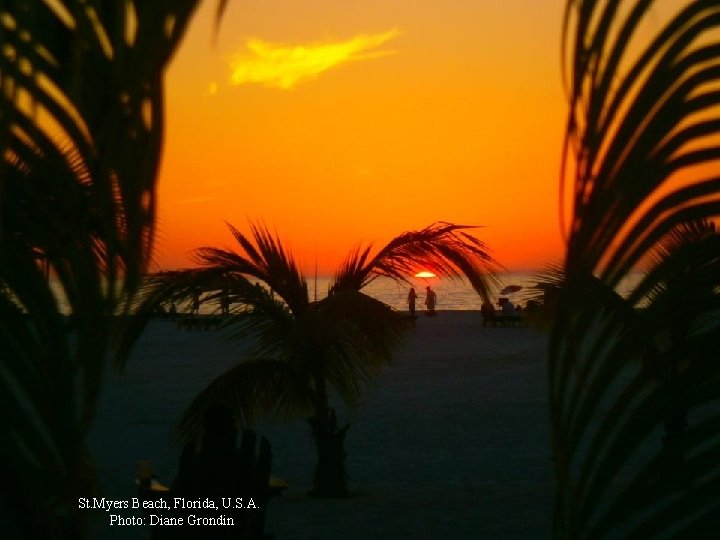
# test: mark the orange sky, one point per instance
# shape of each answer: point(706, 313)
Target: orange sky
point(354, 121)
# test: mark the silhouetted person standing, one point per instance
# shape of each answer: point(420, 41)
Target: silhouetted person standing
point(195, 303)
point(412, 296)
point(225, 301)
point(430, 301)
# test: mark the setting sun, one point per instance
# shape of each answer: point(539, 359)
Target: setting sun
point(425, 274)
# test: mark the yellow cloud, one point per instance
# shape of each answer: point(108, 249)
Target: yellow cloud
point(283, 66)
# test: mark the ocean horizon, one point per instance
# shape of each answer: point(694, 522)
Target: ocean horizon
point(452, 294)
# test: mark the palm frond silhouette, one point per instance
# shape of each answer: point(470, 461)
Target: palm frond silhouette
point(81, 127)
point(635, 400)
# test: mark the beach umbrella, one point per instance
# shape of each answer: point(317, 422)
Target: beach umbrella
point(511, 289)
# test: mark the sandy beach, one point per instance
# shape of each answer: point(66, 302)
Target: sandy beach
point(452, 441)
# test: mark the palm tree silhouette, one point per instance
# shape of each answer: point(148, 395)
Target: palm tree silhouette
point(302, 350)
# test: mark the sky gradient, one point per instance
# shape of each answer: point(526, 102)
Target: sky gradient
point(336, 123)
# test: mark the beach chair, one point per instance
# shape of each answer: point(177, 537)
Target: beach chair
point(200, 322)
point(250, 478)
point(487, 311)
point(510, 320)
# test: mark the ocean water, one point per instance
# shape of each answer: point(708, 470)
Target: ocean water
point(451, 294)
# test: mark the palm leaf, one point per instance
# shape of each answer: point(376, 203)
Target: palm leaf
point(350, 336)
point(642, 130)
point(264, 258)
point(81, 126)
point(444, 248)
point(253, 389)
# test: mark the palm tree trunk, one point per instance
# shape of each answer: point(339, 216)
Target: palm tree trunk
point(330, 478)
